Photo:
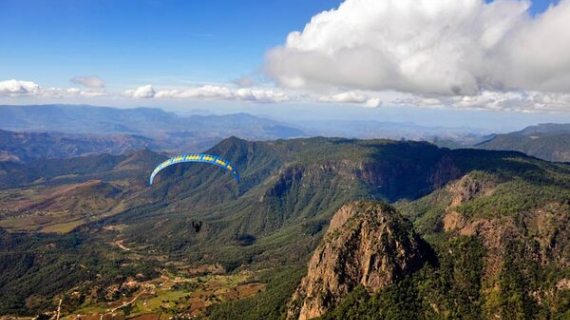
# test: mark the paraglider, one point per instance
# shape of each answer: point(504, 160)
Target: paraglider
point(196, 157)
point(197, 226)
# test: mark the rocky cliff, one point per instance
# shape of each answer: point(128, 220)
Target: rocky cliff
point(367, 244)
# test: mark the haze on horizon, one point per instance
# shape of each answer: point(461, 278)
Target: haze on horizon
point(498, 65)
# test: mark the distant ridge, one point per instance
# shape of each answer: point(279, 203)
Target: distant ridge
point(548, 141)
point(81, 118)
point(92, 119)
point(26, 146)
point(168, 131)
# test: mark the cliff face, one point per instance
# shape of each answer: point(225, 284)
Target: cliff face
point(367, 244)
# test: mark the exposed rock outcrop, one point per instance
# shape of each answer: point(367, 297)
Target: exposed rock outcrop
point(367, 244)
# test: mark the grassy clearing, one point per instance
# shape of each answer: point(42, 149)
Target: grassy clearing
point(174, 295)
point(63, 227)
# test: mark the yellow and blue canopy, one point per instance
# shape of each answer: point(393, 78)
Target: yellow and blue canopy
point(196, 157)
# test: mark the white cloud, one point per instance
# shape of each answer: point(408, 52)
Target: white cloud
point(344, 97)
point(203, 92)
point(352, 97)
point(210, 92)
point(18, 88)
point(206, 92)
point(427, 47)
point(143, 92)
point(71, 92)
point(260, 95)
point(373, 103)
point(519, 101)
point(537, 55)
point(509, 100)
point(89, 82)
point(514, 100)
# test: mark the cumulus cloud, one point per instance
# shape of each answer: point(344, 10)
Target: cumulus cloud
point(518, 101)
point(373, 103)
point(352, 97)
point(18, 88)
point(344, 97)
point(512, 100)
point(260, 95)
point(89, 82)
point(143, 92)
point(210, 92)
point(428, 47)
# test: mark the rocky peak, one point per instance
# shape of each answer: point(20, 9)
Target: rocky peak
point(470, 187)
point(367, 244)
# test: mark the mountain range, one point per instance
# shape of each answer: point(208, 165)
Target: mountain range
point(328, 228)
point(80, 129)
point(175, 133)
point(448, 233)
point(547, 141)
point(25, 146)
point(371, 129)
point(168, 131)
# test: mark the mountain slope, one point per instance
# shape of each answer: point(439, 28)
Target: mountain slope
point(366, 244)
point(82, 119)
point(168, 130)
point(277, 216)
point(370, 129)
point(521, 228)
point(288, 188)
point(502, 251)
point(545, 141)
point(57, 195)
point(27, 146)
point(546, 128)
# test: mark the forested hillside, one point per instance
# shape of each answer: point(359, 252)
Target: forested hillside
point(262, 232)
point(545, 141)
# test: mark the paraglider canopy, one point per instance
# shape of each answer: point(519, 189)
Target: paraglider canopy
point(196, 157)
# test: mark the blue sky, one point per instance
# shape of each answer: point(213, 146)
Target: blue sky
point(132, 41)
point(141, 49)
